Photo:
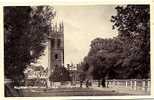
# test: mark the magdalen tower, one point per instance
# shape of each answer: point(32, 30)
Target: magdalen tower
point(55, 49)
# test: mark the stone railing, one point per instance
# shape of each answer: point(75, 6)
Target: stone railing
point(131, 84)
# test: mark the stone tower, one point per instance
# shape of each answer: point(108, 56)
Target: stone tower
point(56, 48)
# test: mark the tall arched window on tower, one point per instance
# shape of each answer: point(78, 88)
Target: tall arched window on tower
point(52, 43)
point(59, 43)
point(56, 56)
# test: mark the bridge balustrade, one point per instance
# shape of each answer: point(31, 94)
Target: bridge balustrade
point(131, 84)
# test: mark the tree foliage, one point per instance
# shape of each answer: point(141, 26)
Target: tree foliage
point(105, 53)
point(133, 24)
point(26, 31)
point(128, 54)
point(60, 74)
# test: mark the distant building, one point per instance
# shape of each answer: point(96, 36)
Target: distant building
point(74, 73)
point(32, 72)
point(35, 75)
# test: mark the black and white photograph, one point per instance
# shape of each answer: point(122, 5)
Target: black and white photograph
point(77, 50)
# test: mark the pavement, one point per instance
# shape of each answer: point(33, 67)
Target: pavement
point(75, 90)
point(122, 89)
point(118, 89)
point(69, 92)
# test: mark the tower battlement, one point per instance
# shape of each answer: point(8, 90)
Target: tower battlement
point(57, 28)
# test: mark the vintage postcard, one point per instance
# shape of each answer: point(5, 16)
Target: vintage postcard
point(77, 51)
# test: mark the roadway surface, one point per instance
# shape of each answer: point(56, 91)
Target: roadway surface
point(70, 92)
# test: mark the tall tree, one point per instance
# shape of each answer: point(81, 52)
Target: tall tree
point(26, 31)
point(133, 24)
point(102, 58)
point(60, 74)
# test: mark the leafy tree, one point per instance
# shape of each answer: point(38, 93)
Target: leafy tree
point(26, 31)
point(128, 54)
point(133, 24)
point(60, 74)
point(102, 58)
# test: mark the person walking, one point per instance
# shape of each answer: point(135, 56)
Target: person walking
point(87, 83)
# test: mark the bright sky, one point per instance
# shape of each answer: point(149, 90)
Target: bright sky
point(81, 25)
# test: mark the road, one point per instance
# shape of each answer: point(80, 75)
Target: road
point(69, 92)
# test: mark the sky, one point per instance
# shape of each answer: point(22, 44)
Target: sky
point(82, 24)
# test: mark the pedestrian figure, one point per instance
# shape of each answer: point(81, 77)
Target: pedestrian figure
point(107, 84)
point(81, 83)
point(90, 83)
point(87, 83)
point(99, 83)
point(103, 82)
